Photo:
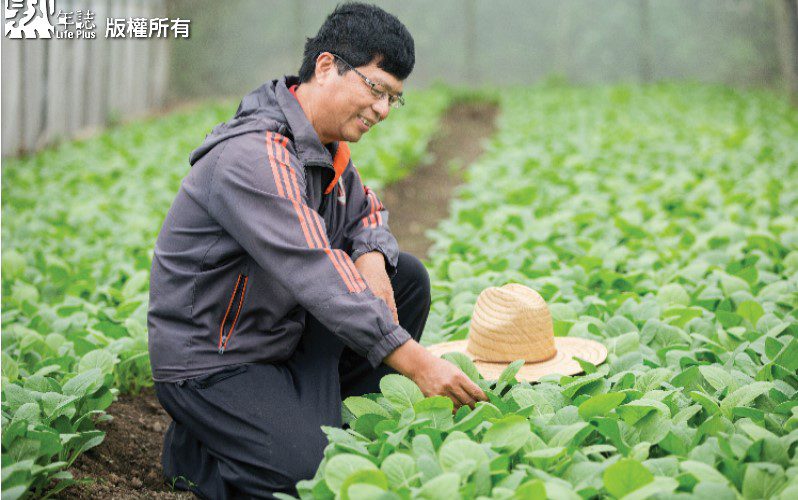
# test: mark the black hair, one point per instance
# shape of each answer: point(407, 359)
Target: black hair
point(360, 33)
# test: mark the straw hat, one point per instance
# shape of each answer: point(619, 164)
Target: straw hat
point(513, 322)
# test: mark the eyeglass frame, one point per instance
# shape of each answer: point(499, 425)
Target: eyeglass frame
point(398, 101)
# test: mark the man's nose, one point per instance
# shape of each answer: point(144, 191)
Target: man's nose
point(382, 107)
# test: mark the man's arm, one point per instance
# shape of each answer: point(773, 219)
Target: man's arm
point(433, 375)
point(372, 266)
point(258, 195)
point(367, 222)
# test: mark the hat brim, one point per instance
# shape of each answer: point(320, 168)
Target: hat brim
point(562, 363)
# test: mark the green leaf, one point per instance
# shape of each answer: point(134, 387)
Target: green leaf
point(531, 490)
point(55, 405)
point(98, 358)
point(673, 294)
point(400, 469)
point(438, 409)
point(10, 368)
point(635, 410)
point(572, 435)
point(625, 476)
point(600, 405)
point(659, 486)
point(481, 413)
point(717, 377)
point(730, 284)
point(360, 406)
point(763, 480)
point(340, 467)
point(744, 396)
point(529, 397)
point(714, 491)
point(463, 362)
point(571, 389)
point(365, 491)
point(400, 391)
point(462, 456)
point(28, 412)
point(508, 434)
point(371, 477)
point(84, 384)
point(459, 270)
point(444, 486)
point(508, 375)
point(703, 472)
point(751, 311)
point(16, 396)
point(788, 356)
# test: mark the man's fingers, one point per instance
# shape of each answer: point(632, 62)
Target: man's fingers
point(475, 392)
point(461, 397)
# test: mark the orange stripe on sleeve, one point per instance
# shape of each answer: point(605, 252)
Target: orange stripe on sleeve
point(277, 163)
point(358, 277)
point(315, 232)
point(349, 285)
point(273, 163)
point(336, 254)
point(317, 237)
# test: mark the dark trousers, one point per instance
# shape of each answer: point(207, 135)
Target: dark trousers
point(251, 430)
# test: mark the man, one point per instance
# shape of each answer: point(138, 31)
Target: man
point(276, 286)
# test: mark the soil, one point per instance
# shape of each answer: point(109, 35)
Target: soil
point(128, 462)
point(418, 202)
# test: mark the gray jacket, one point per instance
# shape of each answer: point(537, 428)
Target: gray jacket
point(264, 229)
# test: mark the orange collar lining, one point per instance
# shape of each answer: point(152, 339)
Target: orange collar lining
point(341, 160)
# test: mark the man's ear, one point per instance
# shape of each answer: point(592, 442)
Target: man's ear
point(325, 67)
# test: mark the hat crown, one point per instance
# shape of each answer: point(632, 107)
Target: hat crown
point(511, 322)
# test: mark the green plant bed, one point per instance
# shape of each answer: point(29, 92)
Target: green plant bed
point(660, 221)
point(79, 224)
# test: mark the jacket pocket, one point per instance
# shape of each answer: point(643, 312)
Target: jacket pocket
point(228, 325)
point(211, 379)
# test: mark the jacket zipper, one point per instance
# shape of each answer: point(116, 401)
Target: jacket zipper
point(224, 336)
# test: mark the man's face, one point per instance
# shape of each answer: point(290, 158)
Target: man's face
point(353, 107)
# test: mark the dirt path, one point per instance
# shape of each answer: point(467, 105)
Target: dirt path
point(418, 202)
point(127, 464)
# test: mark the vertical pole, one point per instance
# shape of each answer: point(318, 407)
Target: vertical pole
point(12, 105)
point(787, 41)
point(646, 48)
point(470, 53)
point(299, 29)
point(563, 51)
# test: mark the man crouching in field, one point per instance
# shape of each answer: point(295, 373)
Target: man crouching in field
point(277, 288)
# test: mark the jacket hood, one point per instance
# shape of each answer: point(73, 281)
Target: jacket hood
point(271, 103)
point(254, 113)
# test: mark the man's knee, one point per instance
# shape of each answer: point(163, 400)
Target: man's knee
point(299, 462)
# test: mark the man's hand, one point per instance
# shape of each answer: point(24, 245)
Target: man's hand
point(372, 267)
point(433, 375)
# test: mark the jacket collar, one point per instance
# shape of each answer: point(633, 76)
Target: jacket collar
point(308, 147)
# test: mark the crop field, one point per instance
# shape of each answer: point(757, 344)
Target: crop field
point(661, 221)
point(79, 225)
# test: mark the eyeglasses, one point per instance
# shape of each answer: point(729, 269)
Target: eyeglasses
point(394, 100)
